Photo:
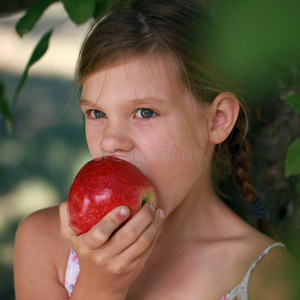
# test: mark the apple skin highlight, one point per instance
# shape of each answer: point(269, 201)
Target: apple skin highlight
point(103, 184)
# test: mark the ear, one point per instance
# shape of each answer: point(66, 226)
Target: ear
point(223, 114)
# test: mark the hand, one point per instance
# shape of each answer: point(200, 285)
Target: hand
point(110, 260)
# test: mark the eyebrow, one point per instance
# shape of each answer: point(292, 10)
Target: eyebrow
point(148, 100)
point(136, 101)
point(86, 102)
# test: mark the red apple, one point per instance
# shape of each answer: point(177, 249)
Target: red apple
point(104, 184)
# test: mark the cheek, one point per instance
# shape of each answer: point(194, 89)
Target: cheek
point(92, 141)
point(173, 178)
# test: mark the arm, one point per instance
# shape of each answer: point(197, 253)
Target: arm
point(39, 249)
point(110, 260)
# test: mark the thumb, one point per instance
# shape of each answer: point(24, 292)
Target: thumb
point(65, 230)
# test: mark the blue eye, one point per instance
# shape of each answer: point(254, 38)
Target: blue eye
point(145, 113)
point(96, 114)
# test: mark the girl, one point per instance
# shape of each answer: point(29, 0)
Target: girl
point(150, 96)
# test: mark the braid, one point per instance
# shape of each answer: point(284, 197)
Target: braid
point(239, 149)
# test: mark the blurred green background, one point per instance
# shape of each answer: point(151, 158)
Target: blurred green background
point(47, 147)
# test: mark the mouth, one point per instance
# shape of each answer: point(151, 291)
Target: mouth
point(117, 156)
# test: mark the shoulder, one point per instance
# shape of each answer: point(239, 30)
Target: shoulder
point(274, 275)
point(40, 232)
point(49, 214)
point(39, 249)
point(40, 227)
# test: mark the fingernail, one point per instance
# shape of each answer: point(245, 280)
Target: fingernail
point(161, 214)
point(152, 207)
point(124, 212)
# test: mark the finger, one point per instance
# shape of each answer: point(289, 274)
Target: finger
point(101, 232)
point(145, 241)
point(65, 230)
point(131, 231)
point(135, 257)
point(140, 261)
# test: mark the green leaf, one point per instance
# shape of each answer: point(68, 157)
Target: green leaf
point(100, 7)
point(294, 102)
point(38, 52)
point(34, 12)
point(4, 109)
point(292, 163)
point(79, 11)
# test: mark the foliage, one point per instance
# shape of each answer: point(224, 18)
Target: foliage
point(34, 12)
point(292, 165)
point(38, 52)
point(257, 39)
point(294, 102)
point(4, 109)
point(79, 11)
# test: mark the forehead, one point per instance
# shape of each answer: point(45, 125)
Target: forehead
point(141, 77)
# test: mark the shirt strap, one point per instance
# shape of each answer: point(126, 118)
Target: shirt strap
point(264, 253)
point(241, 290)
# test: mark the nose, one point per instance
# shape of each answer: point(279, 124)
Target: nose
point(116, 139)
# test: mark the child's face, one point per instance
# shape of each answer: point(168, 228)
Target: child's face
point(136, 111)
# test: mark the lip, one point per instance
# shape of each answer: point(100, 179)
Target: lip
point(115, 156)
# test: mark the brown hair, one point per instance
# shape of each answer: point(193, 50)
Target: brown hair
point(176, 29)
